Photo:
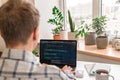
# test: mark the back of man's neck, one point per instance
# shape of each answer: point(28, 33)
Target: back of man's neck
point(22, 47)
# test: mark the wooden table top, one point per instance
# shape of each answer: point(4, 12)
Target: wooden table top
point(92, 50)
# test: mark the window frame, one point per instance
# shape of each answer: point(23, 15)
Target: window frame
point(96, 9)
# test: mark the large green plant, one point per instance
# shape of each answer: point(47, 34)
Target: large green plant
point(57, 20)
point(98, 24)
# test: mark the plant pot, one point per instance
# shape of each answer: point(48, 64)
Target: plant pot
point(64, 35)
point(57, 37)
point(90, 38)
point(71, 36)
point(101, 42)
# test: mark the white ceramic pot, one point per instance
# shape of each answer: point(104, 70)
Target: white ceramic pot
point(64, 35)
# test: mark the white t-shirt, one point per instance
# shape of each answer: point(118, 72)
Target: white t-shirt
point(2, 44)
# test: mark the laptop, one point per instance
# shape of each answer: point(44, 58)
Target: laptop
point(58, 52)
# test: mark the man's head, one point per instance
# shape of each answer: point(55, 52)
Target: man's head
point(18, 20)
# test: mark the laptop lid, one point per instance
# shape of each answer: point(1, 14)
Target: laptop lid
point(58, 52)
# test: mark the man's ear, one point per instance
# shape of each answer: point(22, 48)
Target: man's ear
point(35, 33)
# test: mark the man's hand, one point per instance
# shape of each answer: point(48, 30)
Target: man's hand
point(69, 71)
point(43, 64)
point(66, 68)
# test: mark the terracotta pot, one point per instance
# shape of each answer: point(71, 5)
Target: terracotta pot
point(57, 37)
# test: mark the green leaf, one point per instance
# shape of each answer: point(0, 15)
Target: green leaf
point(99, 24)
point(35, 51)
point(71, 23)
point(57, 20)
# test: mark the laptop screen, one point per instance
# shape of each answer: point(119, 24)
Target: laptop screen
point(58, 52)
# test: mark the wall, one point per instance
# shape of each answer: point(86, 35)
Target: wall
point(45, 8)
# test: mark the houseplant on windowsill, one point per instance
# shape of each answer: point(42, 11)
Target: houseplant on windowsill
point(58, 21)
point(84, 31)
point(71, 34)
point(99, 26)
point(76, 32)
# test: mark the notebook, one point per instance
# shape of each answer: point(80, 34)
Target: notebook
point(91, 68)
point(58, 52)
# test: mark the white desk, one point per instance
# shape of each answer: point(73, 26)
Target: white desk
point(115, 71)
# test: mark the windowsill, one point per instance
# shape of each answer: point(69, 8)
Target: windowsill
point(91, 50)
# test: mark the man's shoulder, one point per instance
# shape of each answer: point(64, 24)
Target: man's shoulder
point(26, 66)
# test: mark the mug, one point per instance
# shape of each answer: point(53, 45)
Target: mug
point(103, 75)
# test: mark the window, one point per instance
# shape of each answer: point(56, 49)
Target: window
point(111, 8)
point(87, 9)
point(80, 10)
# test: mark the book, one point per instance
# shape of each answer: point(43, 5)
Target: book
point(91, 68)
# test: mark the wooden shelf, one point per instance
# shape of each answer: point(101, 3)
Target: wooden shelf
point(109, 52)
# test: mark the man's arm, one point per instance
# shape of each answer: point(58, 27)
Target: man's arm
point(65, 73)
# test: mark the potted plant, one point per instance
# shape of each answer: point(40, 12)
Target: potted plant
point(58, 21)
point(99, 26)
point(71, 34)
point(76, 32)
point(83, 30)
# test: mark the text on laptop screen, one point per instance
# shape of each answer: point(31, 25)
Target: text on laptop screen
point(58, 52)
